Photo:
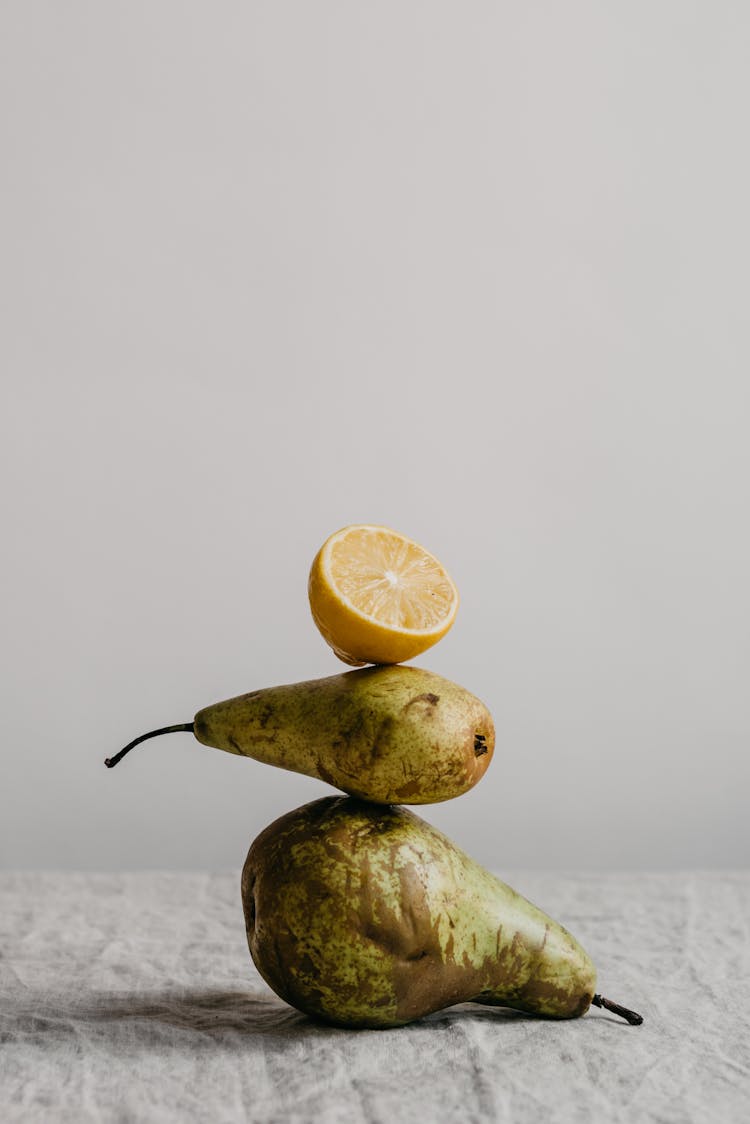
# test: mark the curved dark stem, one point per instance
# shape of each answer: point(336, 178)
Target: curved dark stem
point(110, 762)
point(630, 1016)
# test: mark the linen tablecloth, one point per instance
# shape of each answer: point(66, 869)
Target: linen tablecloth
point(132, 997)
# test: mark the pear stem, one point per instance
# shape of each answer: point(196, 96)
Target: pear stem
point(630, 1016)
point(110, 762)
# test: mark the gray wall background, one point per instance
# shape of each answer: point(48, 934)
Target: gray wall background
point(478, 271)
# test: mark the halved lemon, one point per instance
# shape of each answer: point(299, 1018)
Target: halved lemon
point(378, 597)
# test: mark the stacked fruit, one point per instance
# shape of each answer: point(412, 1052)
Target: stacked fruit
point(358, 911)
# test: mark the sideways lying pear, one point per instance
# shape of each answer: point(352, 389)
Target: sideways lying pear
point(368, 917)
point(388, 734)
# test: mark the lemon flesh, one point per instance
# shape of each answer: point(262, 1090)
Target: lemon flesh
point(379, 597)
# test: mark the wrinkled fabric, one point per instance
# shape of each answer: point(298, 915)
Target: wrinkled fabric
point(132, 997)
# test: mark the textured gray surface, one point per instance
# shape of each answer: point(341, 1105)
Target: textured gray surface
point(133, 998)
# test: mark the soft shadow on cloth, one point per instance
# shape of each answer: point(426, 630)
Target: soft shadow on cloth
point(211, 1013)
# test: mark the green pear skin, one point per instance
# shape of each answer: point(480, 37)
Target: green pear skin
point(392, 735)
point(367, 916)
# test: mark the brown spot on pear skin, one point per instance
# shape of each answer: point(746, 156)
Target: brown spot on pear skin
point(404, 792)
point(428, 697)
point(324, 775)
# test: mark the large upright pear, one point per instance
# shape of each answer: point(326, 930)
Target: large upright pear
point(391, 734)
point(368, 917)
